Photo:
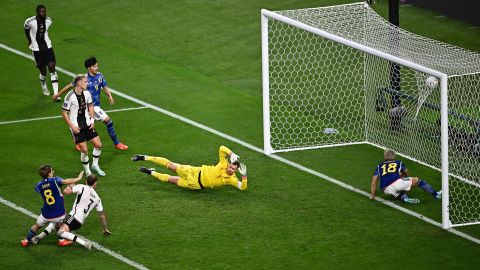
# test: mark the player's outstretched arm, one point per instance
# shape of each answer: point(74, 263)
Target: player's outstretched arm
point(223, 152)
point(64, 89)
point(242, 169)
point(373, 187)
point(103, 221)
point(72, 180)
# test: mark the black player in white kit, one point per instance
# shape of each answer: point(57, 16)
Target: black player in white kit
point(36, 30)
point(77, 111)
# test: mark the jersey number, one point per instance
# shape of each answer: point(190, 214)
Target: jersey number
point(392, 167)
point(48, 196)
point(86, 210)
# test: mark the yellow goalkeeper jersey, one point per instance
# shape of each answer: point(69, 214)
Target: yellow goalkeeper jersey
point(217, 176)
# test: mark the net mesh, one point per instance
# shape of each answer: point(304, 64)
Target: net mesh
point(323, 93)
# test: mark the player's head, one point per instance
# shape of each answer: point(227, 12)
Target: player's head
point(233, 167)
point(389, 154)
point(45, 171)
point(92, 180)
point(81, 81)
point(91, 65)
point(41, 11)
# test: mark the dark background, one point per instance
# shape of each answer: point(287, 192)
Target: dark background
point(465, 10)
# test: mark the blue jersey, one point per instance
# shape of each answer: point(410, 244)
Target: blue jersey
point(51, 193)
point(389, 171)
point(95, 85)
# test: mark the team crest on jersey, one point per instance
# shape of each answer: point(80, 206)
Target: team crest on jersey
point(100, 80)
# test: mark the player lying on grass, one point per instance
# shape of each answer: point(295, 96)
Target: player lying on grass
point(96, 82)
point(53, 210)
point(195, 178)
point(87, 199)
point(394, 180)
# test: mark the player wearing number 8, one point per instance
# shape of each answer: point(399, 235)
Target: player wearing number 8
point(53, 209)
point(87, 199)
point(394, 180)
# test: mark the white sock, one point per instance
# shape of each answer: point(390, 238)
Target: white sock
point(54, 80)
point(96, 155)
point(42, 79)
point(84, 159)
point(72, 237)
point(47, 231)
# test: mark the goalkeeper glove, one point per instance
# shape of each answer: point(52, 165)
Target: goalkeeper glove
point(242, 169)
point(233, 158)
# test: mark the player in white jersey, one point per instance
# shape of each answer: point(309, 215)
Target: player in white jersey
point(78, 114)
point(87, 199)
point(36, 31)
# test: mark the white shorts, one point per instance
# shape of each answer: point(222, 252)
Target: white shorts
point(99, 114)
point(41, 221)
point(395, 188)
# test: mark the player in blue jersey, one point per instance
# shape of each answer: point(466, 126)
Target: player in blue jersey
point(53, 209)
point(96, 82)
point(394, 180)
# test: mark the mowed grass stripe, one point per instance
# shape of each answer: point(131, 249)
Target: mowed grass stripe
point(259, 150)
point(59, 116)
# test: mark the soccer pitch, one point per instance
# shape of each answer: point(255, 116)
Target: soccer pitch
point(190, 75)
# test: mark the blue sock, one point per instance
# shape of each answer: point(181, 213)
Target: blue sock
point(425, 186)
point(30, 235)
point(111, 132)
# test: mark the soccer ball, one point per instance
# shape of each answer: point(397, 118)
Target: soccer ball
point(431, 82)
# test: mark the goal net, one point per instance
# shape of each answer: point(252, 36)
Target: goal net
point(343, 75)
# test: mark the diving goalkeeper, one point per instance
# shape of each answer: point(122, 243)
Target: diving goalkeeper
point(206, 176)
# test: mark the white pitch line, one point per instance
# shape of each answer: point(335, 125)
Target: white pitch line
point(59, 116)
point(95, 244)
point(281, 159)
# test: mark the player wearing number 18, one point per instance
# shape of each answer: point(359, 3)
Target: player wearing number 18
point(53, 209)
point(394, 180)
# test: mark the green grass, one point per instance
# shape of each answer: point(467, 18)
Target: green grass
point(201, 61)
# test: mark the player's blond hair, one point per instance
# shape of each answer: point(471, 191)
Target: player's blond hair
point(389, 154)
point(77, 78)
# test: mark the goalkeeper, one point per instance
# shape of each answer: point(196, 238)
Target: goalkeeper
point(206, 176)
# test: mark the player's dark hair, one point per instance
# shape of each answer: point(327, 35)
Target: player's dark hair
point(37, 9)
point(44, 170)
point(90, 62)
point(236, 163)
point(78, 78)
point(91, 179)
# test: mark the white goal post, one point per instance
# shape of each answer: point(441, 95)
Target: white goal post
point(343, 75)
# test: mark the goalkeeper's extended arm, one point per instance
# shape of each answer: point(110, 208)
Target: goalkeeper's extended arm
point(242, 169)
point(223, 152)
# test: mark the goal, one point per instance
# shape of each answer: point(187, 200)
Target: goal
point(343, 75)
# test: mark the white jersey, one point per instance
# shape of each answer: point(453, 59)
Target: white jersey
point(77, 107)
point(38, 33)
point(86, 200)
